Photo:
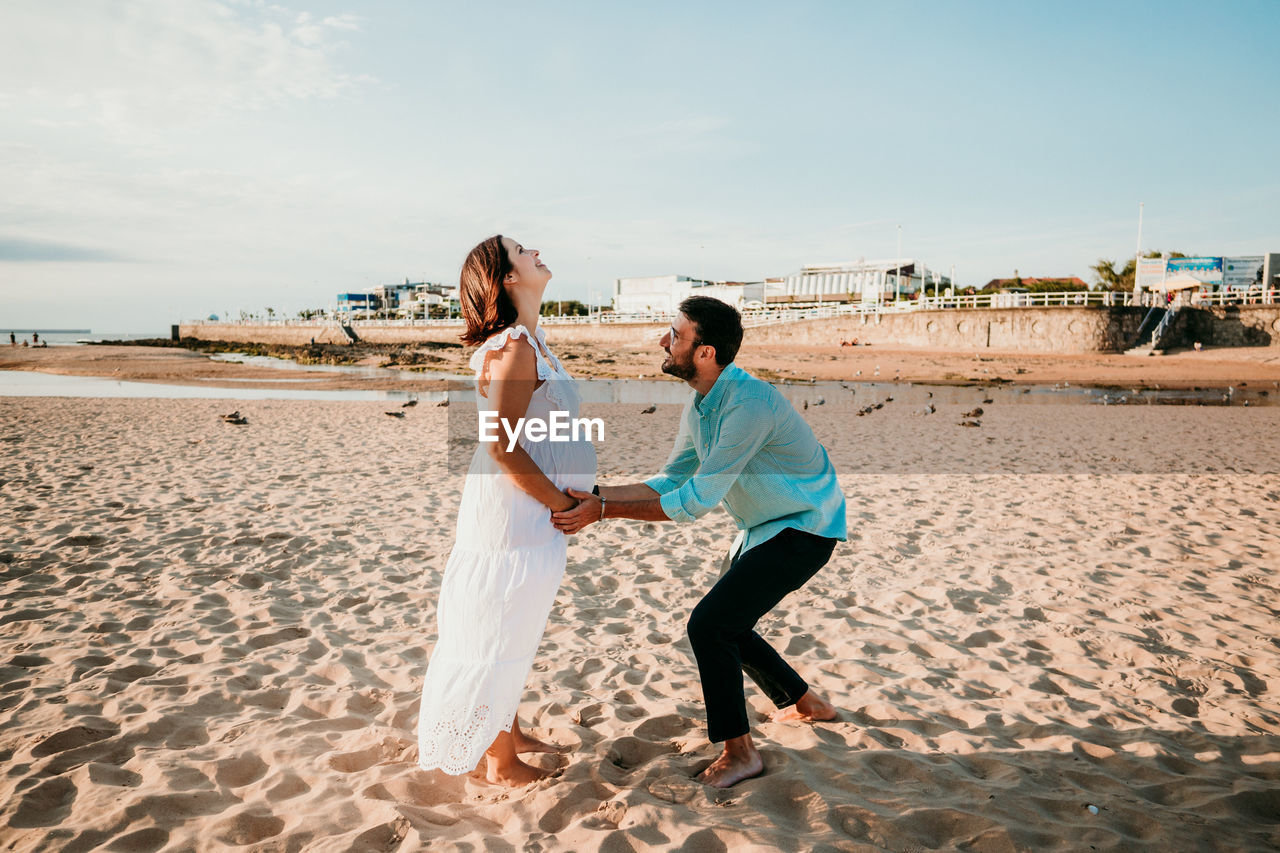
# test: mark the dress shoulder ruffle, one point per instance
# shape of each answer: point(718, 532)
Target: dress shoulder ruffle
point(498, 341)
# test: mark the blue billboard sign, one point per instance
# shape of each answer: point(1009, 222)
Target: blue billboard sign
point(1208, 270)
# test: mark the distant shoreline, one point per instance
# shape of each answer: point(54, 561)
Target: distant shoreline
point(160, 360)
point(27, 331)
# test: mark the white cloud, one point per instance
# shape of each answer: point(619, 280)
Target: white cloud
point(140, 69)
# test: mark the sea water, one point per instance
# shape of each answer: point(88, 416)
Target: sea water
point(836, 395)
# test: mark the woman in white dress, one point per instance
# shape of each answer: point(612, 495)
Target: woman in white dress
point(507, 560)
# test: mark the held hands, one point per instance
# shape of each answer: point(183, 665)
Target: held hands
point(588, 511)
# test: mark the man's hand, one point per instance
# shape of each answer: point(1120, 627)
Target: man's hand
point(587, 511)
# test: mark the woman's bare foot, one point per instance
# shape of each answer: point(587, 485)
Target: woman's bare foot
point(811, 708)
point(504, 767)
point(513, 774)
point(527, 743)
point(739, 761)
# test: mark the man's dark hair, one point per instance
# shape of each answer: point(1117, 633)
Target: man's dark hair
point(718, 325)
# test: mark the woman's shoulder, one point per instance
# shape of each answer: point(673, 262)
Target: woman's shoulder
point(516, 341)
point(507, 339)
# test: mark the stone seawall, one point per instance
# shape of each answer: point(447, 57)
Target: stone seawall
point(1065, 330)
point(1025, 329)
point(1228, 326)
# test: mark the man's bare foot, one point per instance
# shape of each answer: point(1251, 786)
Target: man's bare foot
point(527, 743)
point(811, 708)
point(728, 770)
point(739, 761)
point(514, 774)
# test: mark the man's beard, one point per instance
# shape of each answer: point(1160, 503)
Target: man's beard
point(680, 370)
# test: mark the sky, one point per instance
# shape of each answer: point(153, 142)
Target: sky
point(163, 160)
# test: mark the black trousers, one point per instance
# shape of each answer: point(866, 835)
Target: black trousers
point(721, 628)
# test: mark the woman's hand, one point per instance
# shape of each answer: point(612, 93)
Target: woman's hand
point(587, 510)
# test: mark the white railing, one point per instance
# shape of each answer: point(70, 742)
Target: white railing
point(1238, 297)
point(755, 317)
point(1055, 299)
point(1165, 322)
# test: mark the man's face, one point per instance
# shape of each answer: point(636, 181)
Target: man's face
point(680, 342)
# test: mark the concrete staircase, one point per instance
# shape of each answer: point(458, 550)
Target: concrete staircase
point(1162, 318)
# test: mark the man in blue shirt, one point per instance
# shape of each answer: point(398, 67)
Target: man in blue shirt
point(741, 444)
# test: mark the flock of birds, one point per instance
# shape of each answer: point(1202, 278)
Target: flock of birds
point(237, 419)
point(413, 401)
point(968, 419)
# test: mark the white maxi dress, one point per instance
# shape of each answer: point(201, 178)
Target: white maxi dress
point(501, 578)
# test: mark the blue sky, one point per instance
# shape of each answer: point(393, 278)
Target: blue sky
point(165, 160)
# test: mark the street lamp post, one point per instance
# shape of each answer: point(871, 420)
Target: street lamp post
point(897, 278)
point(1137, 255)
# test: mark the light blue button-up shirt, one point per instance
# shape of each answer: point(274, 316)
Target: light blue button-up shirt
point(745, 445)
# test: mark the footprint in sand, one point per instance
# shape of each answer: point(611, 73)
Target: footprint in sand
point(628, 753)
point(608, 816)
point(982, 639)
point(590, 715)
point(675, 789)
point(47, 804)
point(116, 777)
point(25, 615)
point(130, 674)
point(289, 786)
point(284, 635)
point(251, 580)
point(389, 751)
point(584, 799)
point(91, 540)
point(360, 705)
point(29, 661)
point(71, 738)
point(384, 836)
point(850, 820)
point(248, 827)
point(240, 771)
point(664, 727)
point(788, 803)
point(142, 841)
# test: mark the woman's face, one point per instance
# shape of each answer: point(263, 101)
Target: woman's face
point(526, 268)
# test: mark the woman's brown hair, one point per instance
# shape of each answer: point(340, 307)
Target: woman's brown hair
point(486, 307)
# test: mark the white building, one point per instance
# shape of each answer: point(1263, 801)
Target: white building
point(862, 281)
point(867, 281)
point(663, 293)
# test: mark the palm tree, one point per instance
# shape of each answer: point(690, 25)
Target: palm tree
point(1105, 272)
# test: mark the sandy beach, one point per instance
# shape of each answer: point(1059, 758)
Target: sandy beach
point(1052, 632)
point(1211, 368)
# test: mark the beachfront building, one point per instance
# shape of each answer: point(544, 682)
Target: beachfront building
point(660, 294)
point(396, 300)
point(356, 304)
point(860, 281)
point(405, 301)
point(435, 300)
point(814, 284)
